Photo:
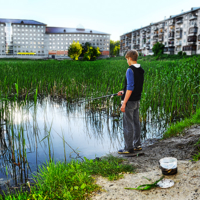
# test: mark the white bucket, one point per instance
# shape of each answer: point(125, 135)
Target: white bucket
point(168, 163)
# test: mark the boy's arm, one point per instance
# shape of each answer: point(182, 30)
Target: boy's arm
point(130, 87)
point(127, 96)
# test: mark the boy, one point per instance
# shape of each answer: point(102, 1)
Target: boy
point(131, 96)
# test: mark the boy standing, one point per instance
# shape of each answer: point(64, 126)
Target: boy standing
point(131, 101)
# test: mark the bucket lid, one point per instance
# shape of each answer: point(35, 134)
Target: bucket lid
point(165, 183)
point(168, 158)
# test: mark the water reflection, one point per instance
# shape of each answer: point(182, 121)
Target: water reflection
point(35, 134)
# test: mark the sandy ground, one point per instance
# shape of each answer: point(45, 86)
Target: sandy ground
point(187, 180)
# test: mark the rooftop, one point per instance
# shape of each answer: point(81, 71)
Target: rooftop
point(71, 30)
point(20, 21)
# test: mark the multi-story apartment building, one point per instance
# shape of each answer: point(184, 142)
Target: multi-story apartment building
point(31, 38)
point(178, 33)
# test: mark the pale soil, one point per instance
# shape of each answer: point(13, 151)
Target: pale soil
point(187, 180)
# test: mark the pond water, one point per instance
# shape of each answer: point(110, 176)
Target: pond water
point(55, 129)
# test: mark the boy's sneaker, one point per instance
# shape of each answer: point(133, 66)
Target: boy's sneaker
point(138, 148)
point(123, 151)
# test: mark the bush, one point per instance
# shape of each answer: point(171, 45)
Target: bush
point(180, 53)
point(158, 49)
point(140, 54)
point(75, 50)
point(184, 54)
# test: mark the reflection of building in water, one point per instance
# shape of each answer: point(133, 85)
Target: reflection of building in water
point(31, 38)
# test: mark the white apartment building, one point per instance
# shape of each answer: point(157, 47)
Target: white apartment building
point(178, 33)
point(30, 38)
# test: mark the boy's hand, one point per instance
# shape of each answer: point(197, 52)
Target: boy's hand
point(123, 107)
point(120, 93)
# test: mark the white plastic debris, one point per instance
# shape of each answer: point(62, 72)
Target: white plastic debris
point(165, 183)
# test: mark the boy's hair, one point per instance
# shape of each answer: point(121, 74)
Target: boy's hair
point(133, 54)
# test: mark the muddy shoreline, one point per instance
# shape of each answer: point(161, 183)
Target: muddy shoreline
point(187, 180)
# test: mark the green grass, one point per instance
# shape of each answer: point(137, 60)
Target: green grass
point(75, 180)
point(172, 85)
point(179, 127)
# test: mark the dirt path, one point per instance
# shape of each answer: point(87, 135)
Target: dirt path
point(187, 180)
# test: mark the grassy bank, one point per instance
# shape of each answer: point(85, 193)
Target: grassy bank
point(178, 128)
point(74, 180)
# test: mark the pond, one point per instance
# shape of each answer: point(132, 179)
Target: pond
point(60, 131)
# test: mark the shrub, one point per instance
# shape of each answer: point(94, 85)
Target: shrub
point(184, 54)
point(75, 50)
point(180, 53)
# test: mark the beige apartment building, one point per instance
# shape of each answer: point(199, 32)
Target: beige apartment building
point(30, 38)
point(178, 33)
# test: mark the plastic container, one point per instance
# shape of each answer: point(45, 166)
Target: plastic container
point(168, 165)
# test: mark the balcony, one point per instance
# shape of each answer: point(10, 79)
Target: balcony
point(193, 17)
point(155, 35)
point(171, 36)
point(190, 48)
point(155, 28)
point(161, 33)
point(138, 34)
point(148, 47)
point(148, 30)
point(161, 26)
point(178, 29)
point(148, 36)
point(192, 39)
point(193, 25)
point(171, 44)
point(179, 36)
point(180, 21)
point(155, 40)
point(193, 31)
point(199, 37)
point(160, 39)
point(171, 23)
point(179, 44)
point(148, 42)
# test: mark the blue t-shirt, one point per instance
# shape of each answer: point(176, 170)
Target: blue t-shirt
point(130, 79)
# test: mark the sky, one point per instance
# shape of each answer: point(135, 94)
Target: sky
point(114, 17)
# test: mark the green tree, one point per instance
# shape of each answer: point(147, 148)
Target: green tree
point(112, 46)
point(158, 49)
point(92, 53)
point(85, 48)
point(75, 50)
point(116, 50)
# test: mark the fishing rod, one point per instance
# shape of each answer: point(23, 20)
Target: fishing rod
point(110, 95)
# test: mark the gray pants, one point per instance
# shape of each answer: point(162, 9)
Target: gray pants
point(131, 125)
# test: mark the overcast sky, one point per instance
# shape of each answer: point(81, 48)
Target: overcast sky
point(115, 17)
